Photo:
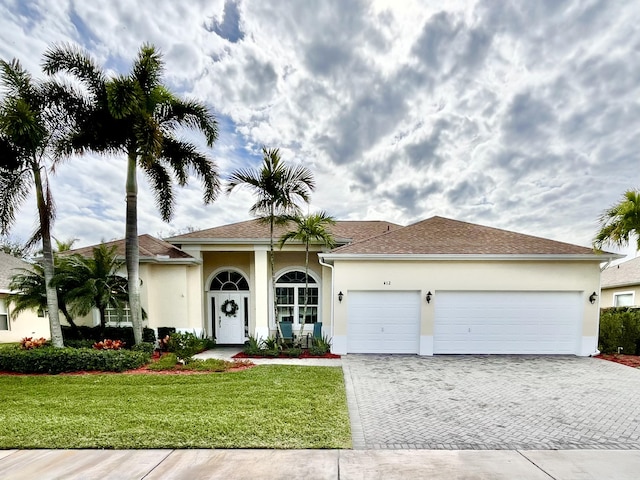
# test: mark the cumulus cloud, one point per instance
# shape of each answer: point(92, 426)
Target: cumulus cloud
point(521, 115)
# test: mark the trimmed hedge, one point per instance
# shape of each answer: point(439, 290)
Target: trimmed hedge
point(98, 333)
point(619, 327)
point(58, 360)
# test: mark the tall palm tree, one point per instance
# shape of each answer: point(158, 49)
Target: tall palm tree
point(136, 115)
point(28, 123)
point(277, 187)
point(619, 222)
point(93, 282)
point(307, 229)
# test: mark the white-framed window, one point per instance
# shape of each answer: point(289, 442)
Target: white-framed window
point(115, 318)
point(290, 298)
point(624, 299)
point(4, 315)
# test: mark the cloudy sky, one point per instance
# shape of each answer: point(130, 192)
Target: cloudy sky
point(522, 115)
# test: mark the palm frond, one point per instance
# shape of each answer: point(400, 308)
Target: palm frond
point(620, 221)
point(183, 155)
point(161, 185)
point(148, 67)
point(14, 189)
point(76, 61)
point(193, 115)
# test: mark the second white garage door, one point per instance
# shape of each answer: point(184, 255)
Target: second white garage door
point(383, 322)
point(507, 322)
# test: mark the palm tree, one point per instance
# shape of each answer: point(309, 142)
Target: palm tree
point(620, 221)
point(306, 229)
point(27, 135)
point(136, 115)
point(31, 294)
point(277, 187)
point(93, 282)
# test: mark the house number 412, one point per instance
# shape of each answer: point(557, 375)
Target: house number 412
point(388, 282)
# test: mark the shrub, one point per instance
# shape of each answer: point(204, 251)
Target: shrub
point(292, 352)
point(320, 346)
point(146, 347)
point(29, 343)
point(124, 334)
point(184, 345)
point(107, 344)
point(619, 327)
point(57, 360)
point(165, 331)
point(253, 346)
point(271, 343)
point(79, 343)
point(166, 362)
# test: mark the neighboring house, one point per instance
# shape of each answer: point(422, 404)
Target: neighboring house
point(437, 286)
point(621, 284)
point(27, 324)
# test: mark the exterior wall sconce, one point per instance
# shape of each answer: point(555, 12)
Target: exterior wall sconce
point(428, 298)
point(340, 296)
point(592, 297)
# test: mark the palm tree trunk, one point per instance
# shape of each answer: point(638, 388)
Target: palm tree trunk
point(306, 287)
point(132, 251)
point(273, 273)
point(47, 261)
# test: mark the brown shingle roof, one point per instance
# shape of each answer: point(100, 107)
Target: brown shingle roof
point(437, 235)
point(150, 247)
point(8, 266)
point(625, 273)
point(255, 229)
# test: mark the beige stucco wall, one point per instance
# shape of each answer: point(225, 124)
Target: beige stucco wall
point(167, 297)
point(437, 276)
point(606, 297)
point(27, 324)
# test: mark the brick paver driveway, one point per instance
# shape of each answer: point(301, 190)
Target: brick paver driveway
point(492, 402)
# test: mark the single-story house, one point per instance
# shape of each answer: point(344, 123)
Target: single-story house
point(620, 284)
point(27, 323)
point(436, 286)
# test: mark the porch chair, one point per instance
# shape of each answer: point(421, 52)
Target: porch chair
point(286, 328)
point(317, 332)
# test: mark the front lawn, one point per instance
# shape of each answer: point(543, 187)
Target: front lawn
point(274, 406)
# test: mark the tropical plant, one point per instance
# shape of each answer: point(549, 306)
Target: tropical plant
point(29, 124)
point(307, 229)
point(30, 293)
point(276, 187)
point(93, 282)
point(137, 115)
point(619, 222)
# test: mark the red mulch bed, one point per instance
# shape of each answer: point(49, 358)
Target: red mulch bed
point(304, 354)
point(628, 360)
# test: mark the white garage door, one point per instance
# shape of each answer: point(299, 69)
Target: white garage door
point(507, 322)
point(383, 322)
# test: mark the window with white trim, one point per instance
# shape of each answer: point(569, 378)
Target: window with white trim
point(290, 298)
point(623, 299)
point(4, 315)
point(118, 318)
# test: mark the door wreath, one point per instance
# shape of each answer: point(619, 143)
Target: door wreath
point(229, 308)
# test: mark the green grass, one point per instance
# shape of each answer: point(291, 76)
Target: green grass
point(274, 406)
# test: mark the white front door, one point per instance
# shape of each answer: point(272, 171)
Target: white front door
point(227, 312)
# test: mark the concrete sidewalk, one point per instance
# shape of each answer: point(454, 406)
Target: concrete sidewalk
point(320, 464)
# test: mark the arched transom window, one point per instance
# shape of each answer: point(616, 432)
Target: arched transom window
point(229, 281)
point(292, 303)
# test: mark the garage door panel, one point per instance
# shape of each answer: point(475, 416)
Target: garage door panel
point(507, 322)
point(383, 322)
